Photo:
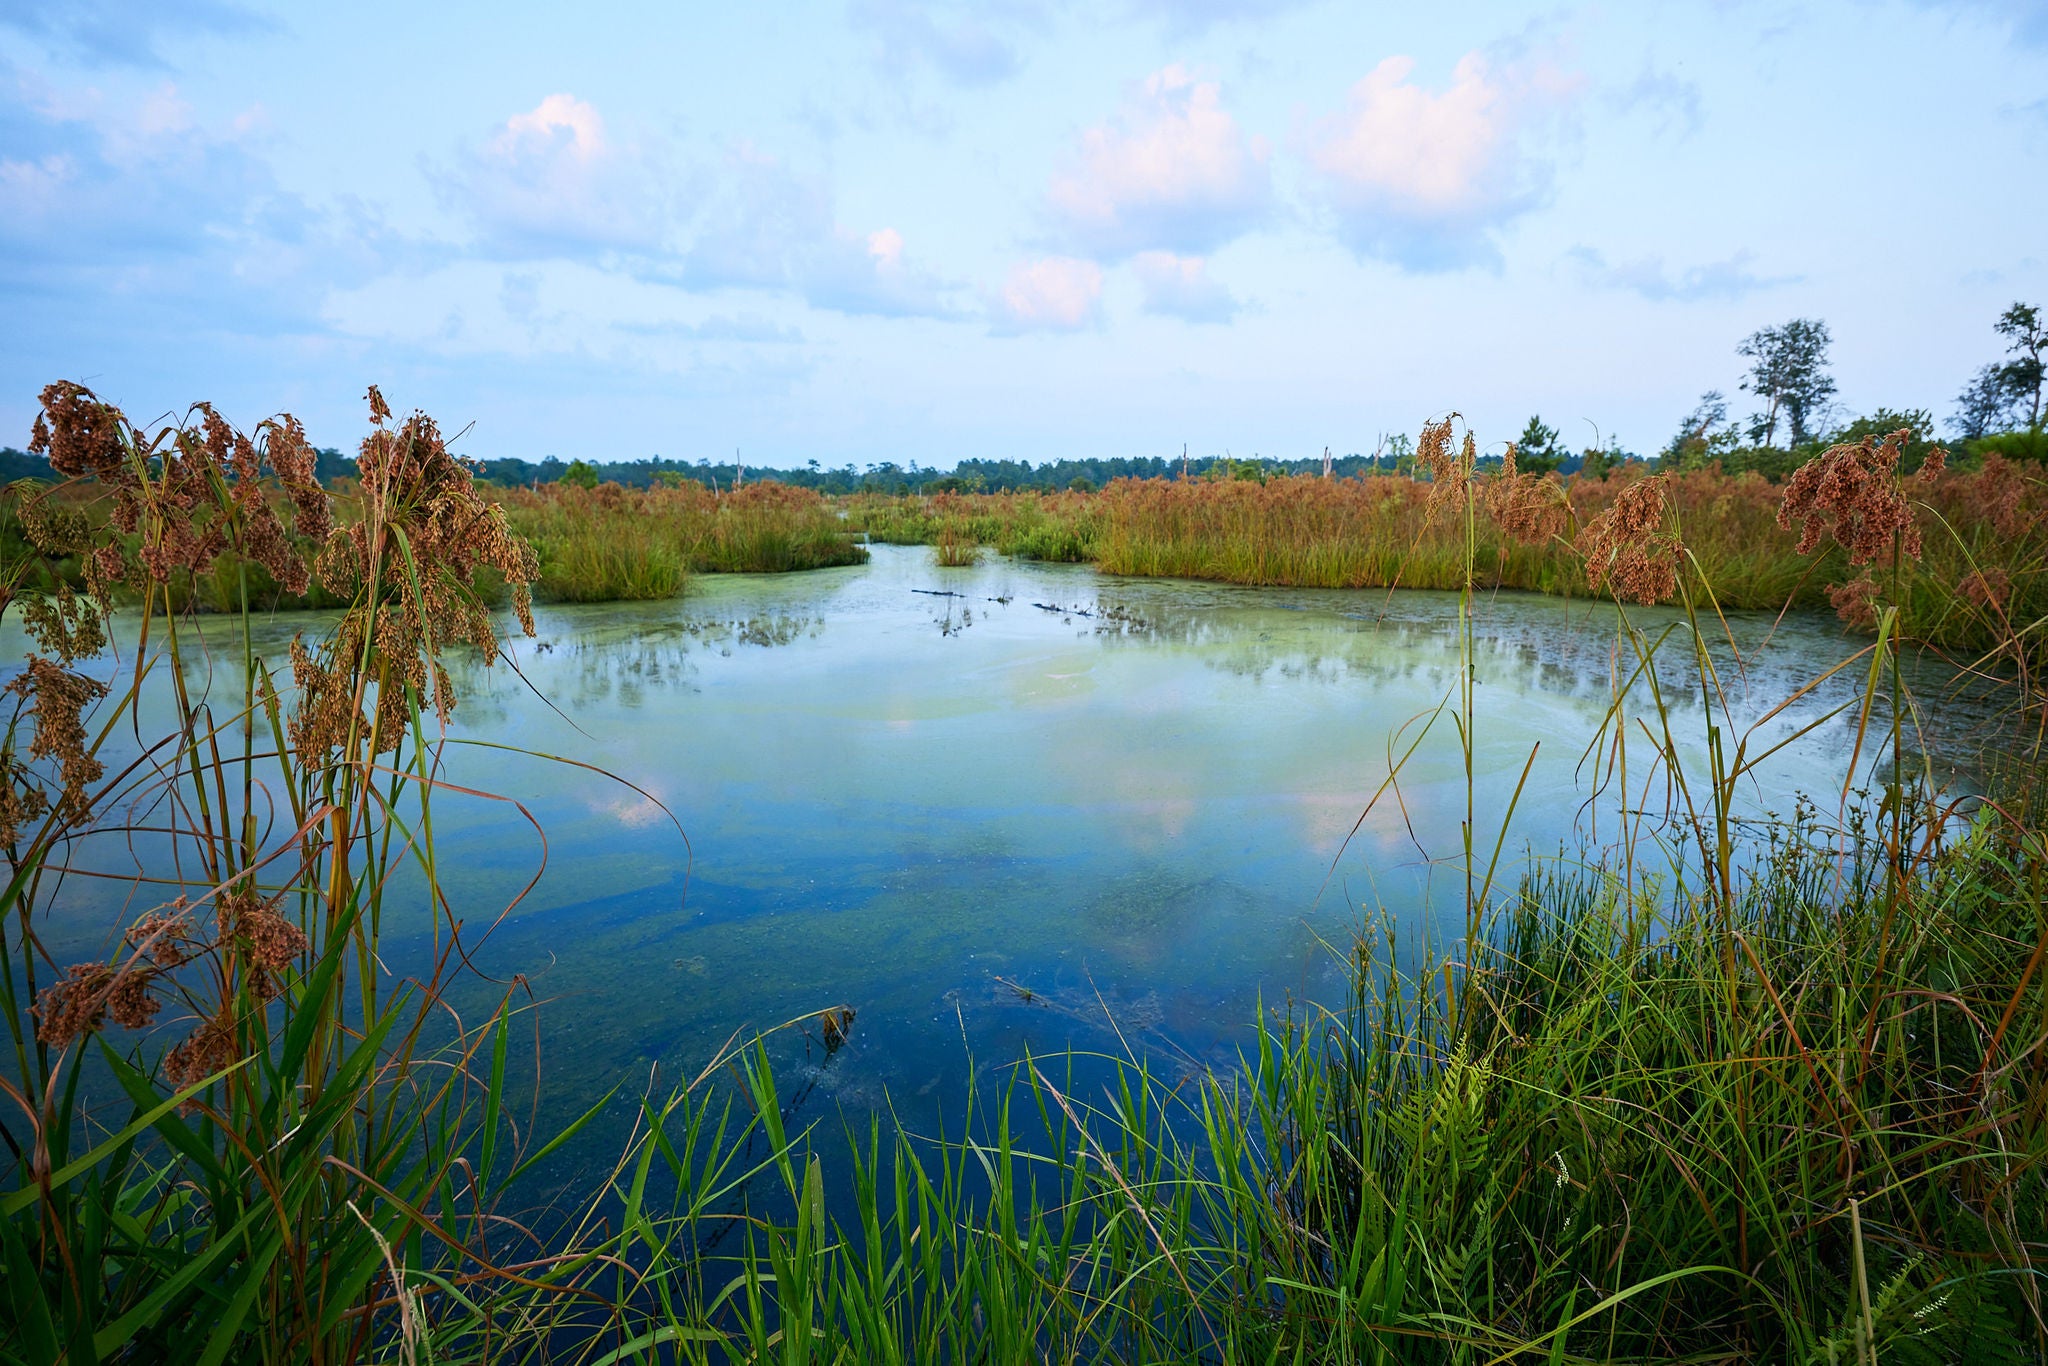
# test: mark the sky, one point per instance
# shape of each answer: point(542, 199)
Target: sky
point(910, 230)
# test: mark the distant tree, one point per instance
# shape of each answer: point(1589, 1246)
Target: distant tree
point(16, 464)
point(1536, 449)
point(1704, 435)
point(1985, 405)
point(1081, 483)
point(1789, 373)
point(2021, 326)
point(2005, 395)
point(580, 474)
point(330, 464)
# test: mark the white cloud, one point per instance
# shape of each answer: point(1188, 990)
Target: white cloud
point(768, 227)
point(1181, 287)
point(553, 179)
point(1052, 294)
point(1424, 178)
point(160, 219)
point(1729, 279)
point(554, 183)
point(1172, 170)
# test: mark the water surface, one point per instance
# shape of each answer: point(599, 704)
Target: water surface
point(1007, 808)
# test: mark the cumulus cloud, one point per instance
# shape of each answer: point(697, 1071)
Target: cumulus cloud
point(1181, 287)
point(136, 206)
point(1051, 294)
point(768, 227)
point(1171, 171)
point(960, 44)
point(1425, 178)
point(554, 179)
point(556, 183)
point(1729, 279)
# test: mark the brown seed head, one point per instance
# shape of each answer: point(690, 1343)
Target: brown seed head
point(80, 434)
point(66, 625)
point(1530, 508)
point(1855, 602)
point(1988, 588)
point(75, 1005)
point(205, 1051)
point(1450, 472)
point(57, 700)
point(131, 1002)
point(255, 929)
point(1625, 548)
point(1998, 495)
point(165, 935)
point(1850, 492)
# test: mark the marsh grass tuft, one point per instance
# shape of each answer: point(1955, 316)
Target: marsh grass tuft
point(610, 543)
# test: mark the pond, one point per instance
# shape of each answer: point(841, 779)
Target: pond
point(1013, 807)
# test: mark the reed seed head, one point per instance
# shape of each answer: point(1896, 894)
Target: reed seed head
point(1855, 602)
point(1530, 508)
point(203, 1052)
point(1851, 493)
point(165, 935)
point(57, 699)
point(1626, 548)
point(74, 1005)
point(1987, 588)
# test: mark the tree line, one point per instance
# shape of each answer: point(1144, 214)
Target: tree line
point(1789, 381)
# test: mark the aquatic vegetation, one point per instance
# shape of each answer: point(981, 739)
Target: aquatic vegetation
point(232, 1184)
point(608, 544)
point(1700, 1091)
point(1384, 531)
point(1060, 527)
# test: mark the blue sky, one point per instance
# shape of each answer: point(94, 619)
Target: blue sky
point(863, 230)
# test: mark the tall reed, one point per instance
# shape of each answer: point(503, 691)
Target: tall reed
point(228, 1138)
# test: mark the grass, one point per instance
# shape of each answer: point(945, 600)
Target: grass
point(1606, 1144)
point(611, 543)
point(603, 544)
point(1375, 532)
point(1059, 527)
point(1708, 1092)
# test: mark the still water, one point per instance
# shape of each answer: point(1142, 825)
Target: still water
point(1012, 807)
